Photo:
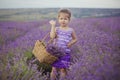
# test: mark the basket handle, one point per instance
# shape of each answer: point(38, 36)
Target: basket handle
point(44, 38)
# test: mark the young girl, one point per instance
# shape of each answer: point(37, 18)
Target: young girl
point(64, 37)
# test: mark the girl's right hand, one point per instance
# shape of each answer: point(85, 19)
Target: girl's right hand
point(52, 22)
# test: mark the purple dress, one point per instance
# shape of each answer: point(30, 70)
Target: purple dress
point(63, 38)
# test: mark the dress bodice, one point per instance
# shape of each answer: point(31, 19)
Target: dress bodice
point(63, 37)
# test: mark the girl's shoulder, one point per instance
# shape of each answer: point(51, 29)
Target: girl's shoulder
point(56, 28)
point(70, 28)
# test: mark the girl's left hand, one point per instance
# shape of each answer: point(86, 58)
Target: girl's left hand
point(68, 45)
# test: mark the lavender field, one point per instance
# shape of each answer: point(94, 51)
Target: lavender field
point(96, 55)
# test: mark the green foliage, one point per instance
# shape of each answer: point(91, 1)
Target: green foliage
point(15, 68)
point(45, 67)
point(28, 54)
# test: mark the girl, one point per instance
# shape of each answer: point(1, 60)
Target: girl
point(64, 37)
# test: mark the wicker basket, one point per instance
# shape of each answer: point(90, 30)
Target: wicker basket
point(41, 54)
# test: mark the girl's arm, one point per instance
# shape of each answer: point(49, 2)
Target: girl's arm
point(53, 30)
point(74, 39)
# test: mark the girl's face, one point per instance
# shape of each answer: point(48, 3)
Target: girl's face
point(63, 19)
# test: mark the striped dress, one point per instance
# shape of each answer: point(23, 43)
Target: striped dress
point(63, 38)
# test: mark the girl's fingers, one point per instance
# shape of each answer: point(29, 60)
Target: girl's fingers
point(52, 22)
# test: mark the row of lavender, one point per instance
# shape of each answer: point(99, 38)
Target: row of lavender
point(94, 57)
point(10, 30)
point(13, 60)
point(99, 46)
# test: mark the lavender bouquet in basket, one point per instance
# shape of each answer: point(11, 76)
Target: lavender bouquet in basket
point(55, 50)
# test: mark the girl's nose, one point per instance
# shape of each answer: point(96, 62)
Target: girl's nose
point(63, 20)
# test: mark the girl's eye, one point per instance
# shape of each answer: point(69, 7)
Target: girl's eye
point(63, 18)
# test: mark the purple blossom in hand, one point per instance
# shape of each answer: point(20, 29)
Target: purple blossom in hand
point(55, 50)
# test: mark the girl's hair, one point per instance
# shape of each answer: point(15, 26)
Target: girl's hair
point(65, 11)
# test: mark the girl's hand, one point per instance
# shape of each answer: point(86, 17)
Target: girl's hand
point(69, 45)
point(52, 22)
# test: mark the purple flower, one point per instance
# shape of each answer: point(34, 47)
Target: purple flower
point(55, 50)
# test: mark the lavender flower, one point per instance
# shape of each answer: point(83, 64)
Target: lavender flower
point(55, 50)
